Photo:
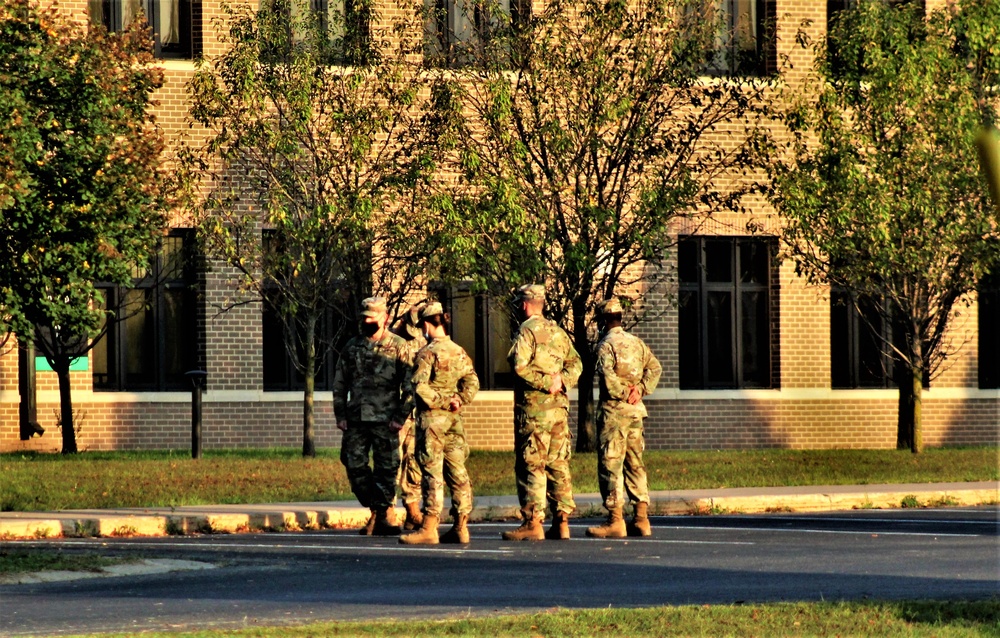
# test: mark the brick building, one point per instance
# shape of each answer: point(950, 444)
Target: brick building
point(804, 376)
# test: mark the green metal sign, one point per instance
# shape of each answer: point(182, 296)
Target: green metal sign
point(77, 365)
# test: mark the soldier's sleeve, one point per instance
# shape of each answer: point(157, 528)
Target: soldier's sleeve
point(651, 371)
point(523, 352)
point(617, 389)
point(468, 385)
point(421, 380)
point(404, 371)
point(572, 366)
point(341, 385)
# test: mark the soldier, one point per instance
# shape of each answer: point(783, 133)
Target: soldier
point(545, 365)
point(409, 328)
point(371, 399)
point(444, 381)
point(626, 372)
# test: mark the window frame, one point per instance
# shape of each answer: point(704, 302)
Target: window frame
point(487, 329)
point(848, 360)
point(111, 16)
point(727, 58)
point(700, 374)
point(155, 286)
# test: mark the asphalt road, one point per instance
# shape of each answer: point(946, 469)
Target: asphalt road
point(272, 579)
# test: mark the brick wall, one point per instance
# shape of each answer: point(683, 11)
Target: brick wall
point(804, 413)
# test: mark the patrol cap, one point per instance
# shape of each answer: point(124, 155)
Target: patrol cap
point(610, 307)
point(413, 316)
point(373, 307)
point(432, 308)
point(531, 291)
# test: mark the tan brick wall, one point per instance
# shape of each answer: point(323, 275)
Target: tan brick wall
point(790, 417)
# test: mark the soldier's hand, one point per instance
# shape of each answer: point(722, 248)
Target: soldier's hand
point(557, 385)
point(395, 426)
point(634, 395)
point(455, 404)
point(342, 426)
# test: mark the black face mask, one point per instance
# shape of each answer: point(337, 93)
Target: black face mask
point(369, 328)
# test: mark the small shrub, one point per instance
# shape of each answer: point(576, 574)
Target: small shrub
point(909, 501)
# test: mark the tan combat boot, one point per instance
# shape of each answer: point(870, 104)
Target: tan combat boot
point(560, 527)
point(614, 527)
point(369, 526)
point(459, 532)
point(530, 530)
point(426, 535)
point(414, 517)
point(640, 522)
point(385, 523)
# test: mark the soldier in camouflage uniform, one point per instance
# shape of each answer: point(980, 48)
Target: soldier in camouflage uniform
point(409, 328)
point(626, 372)
point(372, 398)
point(545, 365)
point(444, 381)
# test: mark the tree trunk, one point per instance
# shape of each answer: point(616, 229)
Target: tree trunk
point(909, 425)
point(308, 411)
point(61, 368)
point(586, 439)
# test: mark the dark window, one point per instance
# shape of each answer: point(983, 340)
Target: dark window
point(989, 332)
point(155, 335)
point(460, 29)
point(344, 28)
point(746, 41)
point(173, 22)
point(725, 311)
point(858, 334)
point(483, 326)
point(277, 332)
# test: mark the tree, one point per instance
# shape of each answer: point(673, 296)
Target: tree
point(321, 154)
point(883, 196)
point(81, 192)
point(594, 133)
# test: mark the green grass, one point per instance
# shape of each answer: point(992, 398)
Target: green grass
point(31, 481)
point(903, 619)
point(18, 561)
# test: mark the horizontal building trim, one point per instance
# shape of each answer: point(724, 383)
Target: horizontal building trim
point(82, 397)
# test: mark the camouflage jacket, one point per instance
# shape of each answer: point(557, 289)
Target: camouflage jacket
point(542, 350)
point(372, 382)
point(443, 370)
point(624, 360)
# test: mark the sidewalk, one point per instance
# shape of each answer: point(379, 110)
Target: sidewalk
point(347, 514)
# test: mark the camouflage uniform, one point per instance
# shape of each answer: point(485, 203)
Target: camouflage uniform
point(409, 474)
point(371, 389)
point(443, 370)
point(623, 361)
point(542, 439)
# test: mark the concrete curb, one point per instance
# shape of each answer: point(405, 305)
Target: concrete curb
point(346, 515)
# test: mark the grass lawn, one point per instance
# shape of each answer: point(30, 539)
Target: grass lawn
point(19, 561)
point(905, 618)
point(34, 481)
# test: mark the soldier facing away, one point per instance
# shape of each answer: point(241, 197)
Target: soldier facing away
point(409, 328)
point(545, 365)
point(626, 372)
point(444, 382)
point(372, 398)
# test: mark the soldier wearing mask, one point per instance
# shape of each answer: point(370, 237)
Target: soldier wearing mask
point(409, 327)
point(444, 382)
point(372, 398)
point(546, 366)
point(626, 372)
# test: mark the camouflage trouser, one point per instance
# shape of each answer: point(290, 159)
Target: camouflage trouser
point(374, 485)
point(442, 450)
point(409, 469)
point(620, 470)
point(543, 448)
